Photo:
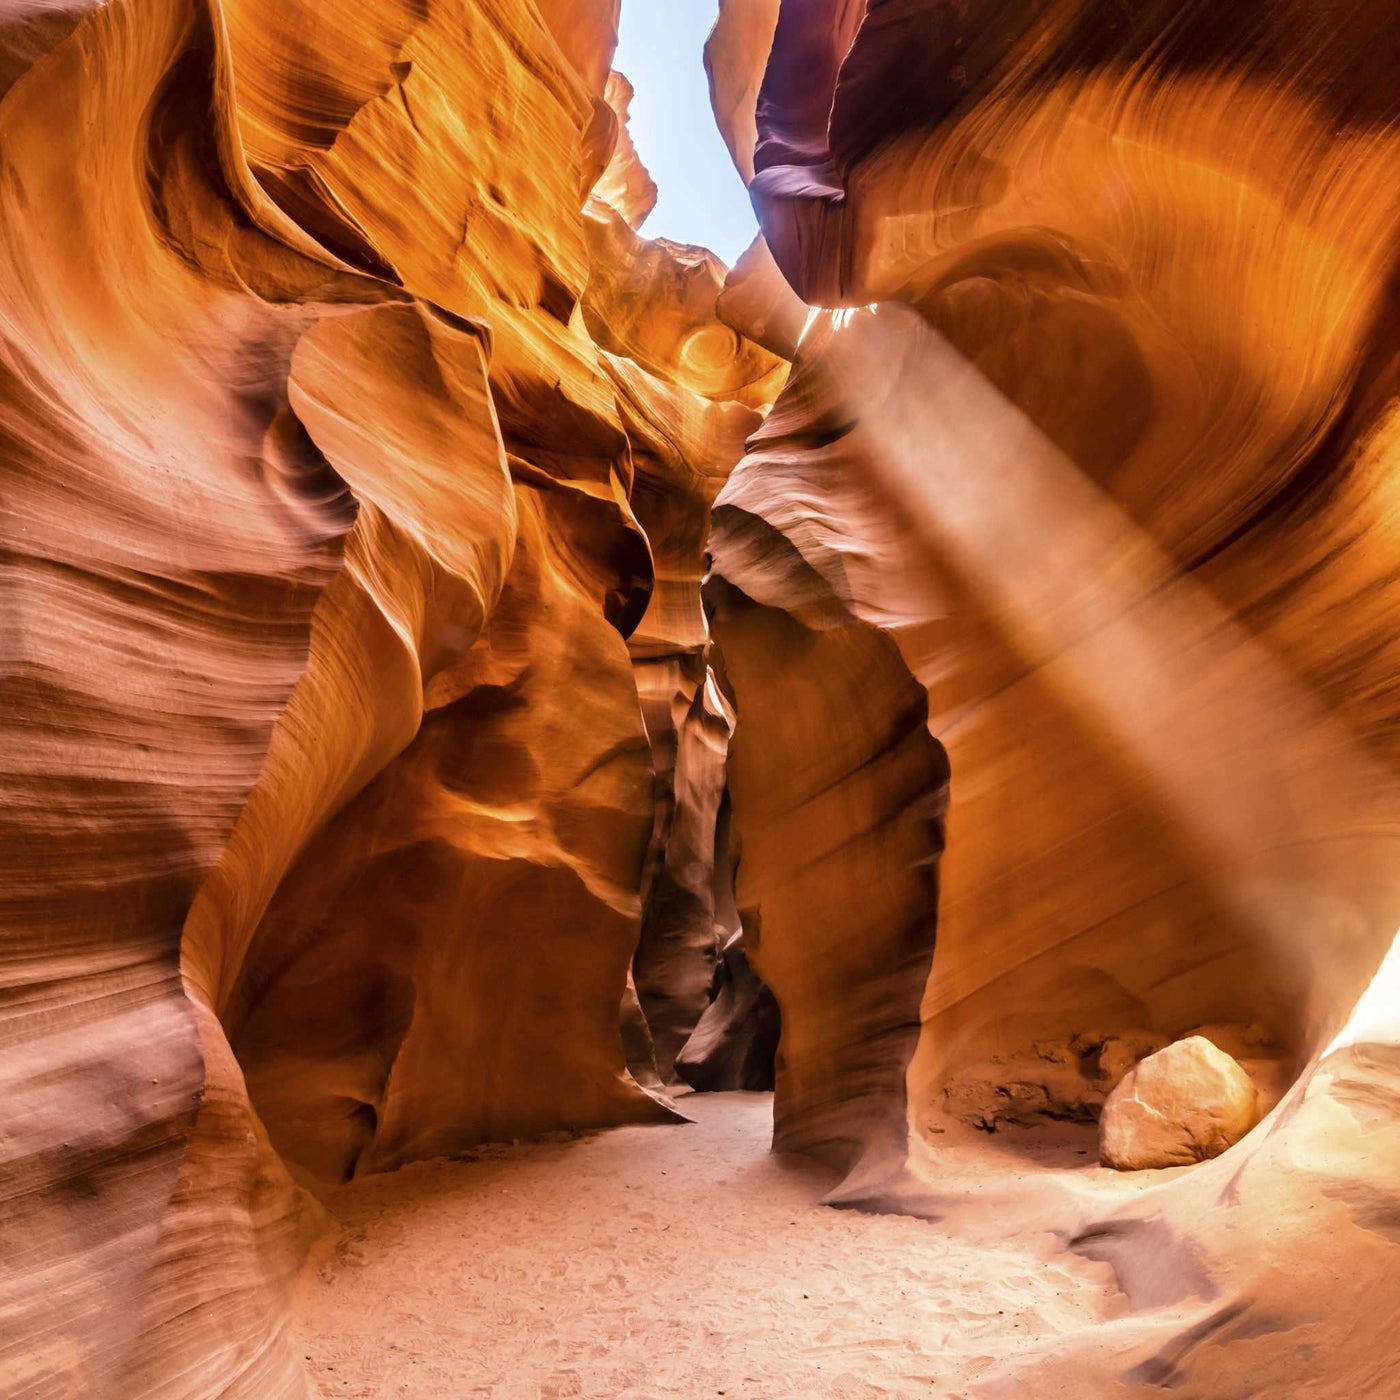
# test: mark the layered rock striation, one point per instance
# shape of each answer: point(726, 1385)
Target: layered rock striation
point(1076, 497)
point(371, 784)
point(346, 443)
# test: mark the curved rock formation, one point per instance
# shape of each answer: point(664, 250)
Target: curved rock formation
point(1092, 457)
point(735, 1043)
point(334, 428)
point(370, 783)
point(690, 391)
point(625, 185)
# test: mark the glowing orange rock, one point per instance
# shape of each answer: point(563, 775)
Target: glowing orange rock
point(326, 789)
point(1090, 443)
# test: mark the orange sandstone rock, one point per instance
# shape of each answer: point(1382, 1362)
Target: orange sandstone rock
point(1185, 1103)
point(1088, 443)
point(326, 789)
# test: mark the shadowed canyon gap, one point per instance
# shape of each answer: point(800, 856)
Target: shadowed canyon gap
point(469, 672)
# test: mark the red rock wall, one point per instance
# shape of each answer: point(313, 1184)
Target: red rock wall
point(1066, 272)
point(1081, 477)
point(327, 791)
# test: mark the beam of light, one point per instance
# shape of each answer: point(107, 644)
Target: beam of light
point(1274, 796)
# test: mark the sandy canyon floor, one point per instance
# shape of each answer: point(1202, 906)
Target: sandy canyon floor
point(654, 1262)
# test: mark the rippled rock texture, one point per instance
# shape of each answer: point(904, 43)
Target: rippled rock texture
point(356, 467)
point(1069, 546)
point(363, 787)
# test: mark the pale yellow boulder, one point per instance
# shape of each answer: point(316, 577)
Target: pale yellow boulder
point(1184, 1104)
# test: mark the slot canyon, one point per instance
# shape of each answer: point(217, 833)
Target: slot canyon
point(578, 821)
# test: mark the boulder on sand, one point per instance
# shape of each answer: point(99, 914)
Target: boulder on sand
point(1184, 1104)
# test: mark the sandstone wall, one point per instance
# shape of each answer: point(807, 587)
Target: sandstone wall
point(327, 792)
point(1081, 480)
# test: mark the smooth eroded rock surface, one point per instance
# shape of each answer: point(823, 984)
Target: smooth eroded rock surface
point(346, 442)
point(1125, 545)
point(736, 1041)
point(376, 779)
